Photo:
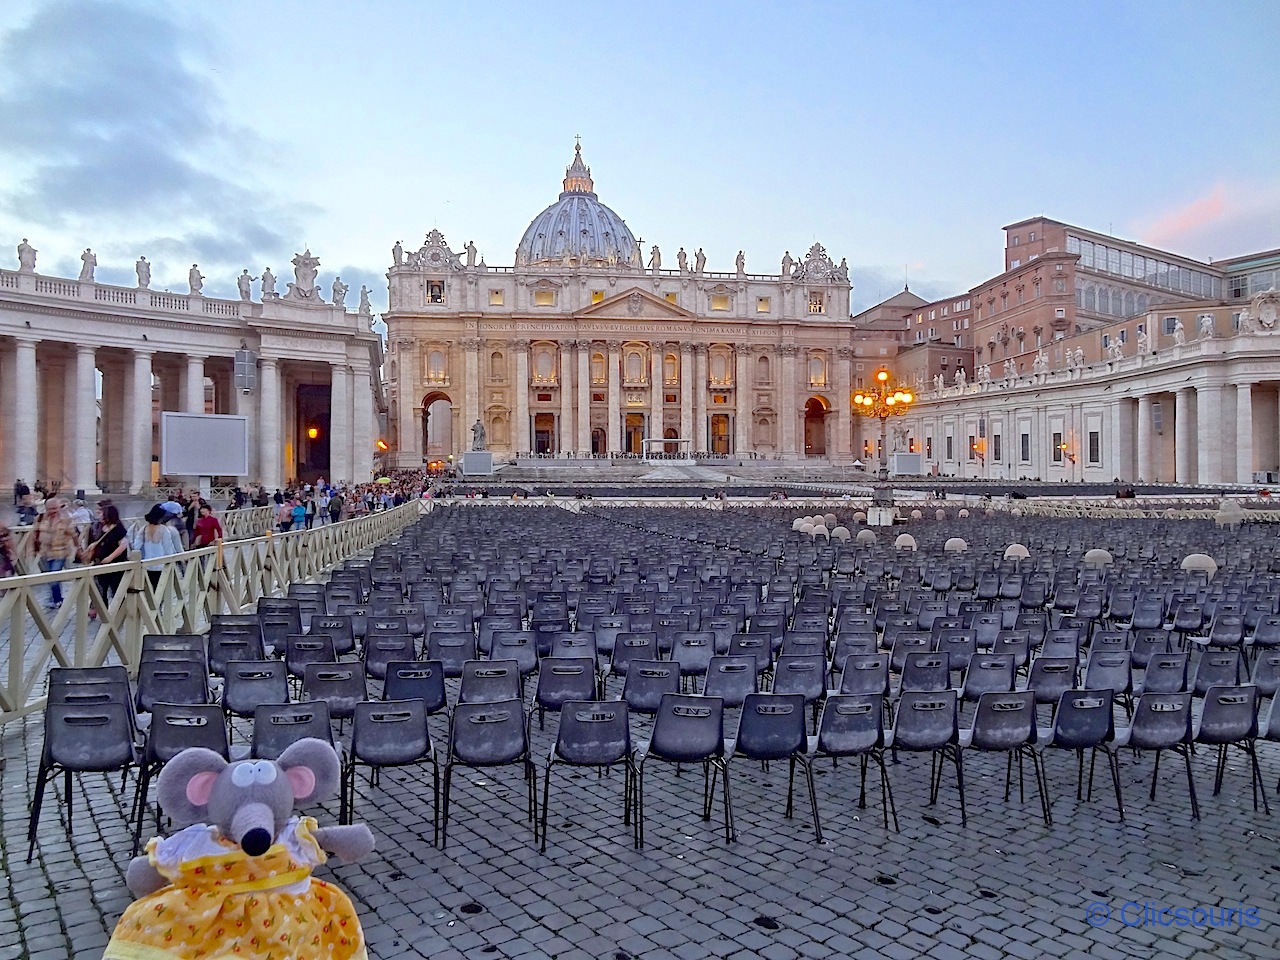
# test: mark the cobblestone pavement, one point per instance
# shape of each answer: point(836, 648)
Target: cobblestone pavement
point(1005, 886)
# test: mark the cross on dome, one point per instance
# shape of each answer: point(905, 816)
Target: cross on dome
point(577, 176)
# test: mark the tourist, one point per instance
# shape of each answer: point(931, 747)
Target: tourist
point(111, 546)
point(310, 514)
point(336, 504)
point(298, 514)
point(79, 514)
point(284, 516)
point(322, 506)
point(8, 560)
point(207, 530)
point(55, 543)
point(156, 539)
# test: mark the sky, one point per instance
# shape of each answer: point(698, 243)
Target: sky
point(902, 136)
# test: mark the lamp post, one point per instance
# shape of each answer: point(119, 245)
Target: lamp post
point(882, 401)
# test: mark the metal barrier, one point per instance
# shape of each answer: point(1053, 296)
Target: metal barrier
point(87, 630)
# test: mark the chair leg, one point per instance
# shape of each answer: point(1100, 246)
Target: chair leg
point(957, 757)
point(813, 800)
point(1113, 761)
point(709, 774)
point(546, 789)
point(1250, 747)
point(42, 778)
point(444, 817)
point(639, 831)
point(1191, 783)
point(1220, 770)
point(1155, 773)
point(862, 790)
point(730, 833)
point(791, 782)
point(140, 805)
point(1042, 785)
point(887, 804)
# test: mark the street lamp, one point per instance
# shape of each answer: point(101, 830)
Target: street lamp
point(882, 401)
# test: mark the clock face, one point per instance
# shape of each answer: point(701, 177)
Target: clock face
point(435, 256)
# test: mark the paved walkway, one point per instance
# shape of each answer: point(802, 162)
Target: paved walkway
point(1005, 886)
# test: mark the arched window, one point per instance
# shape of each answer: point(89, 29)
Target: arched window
point(670, 369)
point(542, 366)
point(1090, 298)
point(435, 366)
point(1129, 305)
point(1142, 303)
point(817, 371)
point(762, 369)
point(497, 366)
point(635, 366)
point(597, 368)
point(719, 368)
point(1104, 300)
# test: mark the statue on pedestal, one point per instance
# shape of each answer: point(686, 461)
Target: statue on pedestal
point(366, 308)
point(478, 436)
point(143, 269)
point(959, 378)
point(786, 265)
point(26, 257)
point(699, 261)
point(471, 253)
point(741, 263)
point(195, 280)
point(682, 260)
point(305, 268)
point(268, 284)
point(1079, 356)
point(655, 258)
point(339, 292)
point(88, 262)
point(1144, 342)
point(1179, 332)
point(1204, 326)
point(242, 284)
point(397, 254)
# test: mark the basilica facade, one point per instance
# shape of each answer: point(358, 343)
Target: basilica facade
point(586, 348)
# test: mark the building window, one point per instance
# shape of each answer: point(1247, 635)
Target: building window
point(670, 369)
point(950, 448)
point(719, 301)
point(762, 369)
point(635, 367)
point(544, 298)
point(719, 398)
point(670, 297)
point(1095, 446)
point(973, 447)
point(597, 296)
point(670, 398)
point(1170, 324)
point(1060, 313)
point(597, 398)
point(928, 448)
point(435, 367)
point(496, 298)
point(1057, 448)
point(1015, 239)
point(1015, 263)
point(817, 372)
point(1106, 341)
point(997, 448)
point(762, 304)
point(1032, 237)
point(497, 366)
point(597, 368)
point(1025, 444)
point(1037, 290)
point(435, 292)
point(816, 303)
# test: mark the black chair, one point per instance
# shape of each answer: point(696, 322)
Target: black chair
point(1230, 718)
point(772, 728)
point(561, 680)
point(1050, 678)
point(630, 647)
point(1165, 673)
point(171, 681)
point(390, 733)
point(81, 738)
point(805, 675)
point(597, 734)
point(174, 728)
point(1005, 722)
point(1084, 721)
point(1162, 721)
point(417, 680)
point(731, 679)
point(340, 685)
point(686, 729)
point(337, 627)
point(248, 683)
point(648, 682)
point(490, 681)
point(234, 642)
point(852, 725)
point(301, 650)
point(485, 735)
point(987, 673)
point(277, 725)
point(452, 648)
point(929, 723)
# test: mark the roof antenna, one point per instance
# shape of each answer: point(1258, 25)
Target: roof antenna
point(905, 285)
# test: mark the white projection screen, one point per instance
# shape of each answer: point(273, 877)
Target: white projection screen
point(204, 445)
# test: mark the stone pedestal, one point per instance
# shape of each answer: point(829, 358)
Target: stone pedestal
point(881, 516)
point(477, 463)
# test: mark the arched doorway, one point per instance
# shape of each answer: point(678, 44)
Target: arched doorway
point(670, 434)
point(597, 442)
point(437, 426)
point(815, 427)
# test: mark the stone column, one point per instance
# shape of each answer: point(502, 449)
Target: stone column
point(657, 421)
point(193, 385)
point(700, 393)
point(840, 417)
point(1244, 433)
point(138, 416)
point(584, 397)
point(83, 437)
point(340, 423)
point(686, 392)
point(788, 412)
point(1145, 430)
point(363, 431)
point(520, 428)
point(24, 428)
point(1184, 452)
point(742, 400)
point(470, 394)
point(614, 369)
point(1122, 439)
point(408, 377)
point(244, 404)
point(1209, 434)
point(564, 433)
point(269, 458)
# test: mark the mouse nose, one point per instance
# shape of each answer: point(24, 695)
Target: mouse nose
point(256, 842)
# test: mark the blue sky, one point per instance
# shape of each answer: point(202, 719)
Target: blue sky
point(900, 135)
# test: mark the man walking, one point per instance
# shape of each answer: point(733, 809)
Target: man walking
point(55, 542)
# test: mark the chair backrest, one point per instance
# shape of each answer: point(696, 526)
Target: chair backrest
point(489, 681)
point(561, 679)
point(1266, 673)
point(905, 644)
point(488, 734)
point(97, 736)
point(630, 647)
point(276, 725)
point(989, 673)
point(1050, 677)
point(518, 645)
point(338, 627)
point(234, 643)
point(390, 732)
point(160, 643)
point(416, 680)
point(1230, 714)
point(772, 726)
point(301, 649)
point(1166, 673)
point(926, 671)
point(1004, 720)
point(926, 721)
point(865, 674)
point(851, 724)
point(688, 728)
point(1108, 669)
point(452, 648)
point(171, 681)
point(754, 645)
point(806, 675)
point(340, 684)
point(1217, 668)
point(1016, 643)
point(731, 678)
point(693, 650)
point(251, 682)
point(648, 681)
point(1084, 719)
point(176, 726)
point(572, 643)
point(1161, 720)
point(593, 732)
point(958, 645)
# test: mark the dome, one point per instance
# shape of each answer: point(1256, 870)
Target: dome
point(578, 227)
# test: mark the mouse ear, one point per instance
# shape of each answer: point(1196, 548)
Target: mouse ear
point(186, 783)
point(312, 768)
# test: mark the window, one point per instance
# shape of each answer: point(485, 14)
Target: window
point(1170, 324)
point(1106, 340)
point(973, 447)
point(817, 372)
point(928, 448)
point(497, 366)
point(496, 298)
point(1095, 446)
point(671, 398)
point(996, 447)
point(597, 296)
point(544, 367)
point(719, 301)
point(635, 367)
point(719, 369)
point(543, 397)
point(950, 448)
point(762, 304)
point(1060, 313)
point(597, 398)
point(435, 292)
point(762, 369)
point(544, 298)
point(435, 367)
point(719, 398)
point(1057, 448)
point(597, 368)
point(1024, 442)
point(1015, 263)
point(670, 297)
point(1021, 298)
point(1031, 238)
point(816, 303)
point(670, 369)
point(1123, 336)
point(1037, 290)
point(1015, 239)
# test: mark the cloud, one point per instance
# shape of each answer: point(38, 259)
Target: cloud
point(113, 129)
point(874, 284)
point(1229, 220)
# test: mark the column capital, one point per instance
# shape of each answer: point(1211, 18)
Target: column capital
point(194, 357)
point(522, 345)
point(470, 343)
point(140, 354)
point(31, 342)
point(700, 349)
point(83, 348)
point(614, 346)
point(844, 353)
point(788, 350)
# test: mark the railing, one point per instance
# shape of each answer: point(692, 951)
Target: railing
point(88, 631)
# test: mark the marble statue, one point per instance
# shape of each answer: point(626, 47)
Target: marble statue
point(699, 261)
point(843, 270)
point(1179, 332)
point(638, 255)
point(1040, 365)
point(959, 377)
point(339, 292)
point(939, 383)
point(242, 284)
point(305, 268)
point(366, 308)
point(1116, 350)
point(741, 263)
point(88, 262)
point(1204, 326)
point(268, 283)
point(26, 257)
point(1010, 369)
point(1144, 342)
point(471, 253)
point(1247, 323)
point(143, 269)
point(786, 264)
point(655, 258)
point(478, 436)
point(682, 259)
point(1079, 356)
point(397, 254)
point(196, 281)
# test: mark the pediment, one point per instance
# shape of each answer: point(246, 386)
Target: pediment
point(637, 304)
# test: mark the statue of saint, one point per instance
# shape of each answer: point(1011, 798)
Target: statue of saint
point(397, 254)
point(699, 260)
point(1247, 323)
point(26, 257)
point(938, 383)
point(741, 263)
point(268, 283)
point(786, 265)
point(1179, 332)
point(88, 262)
point(143, 269)
point(682, 260)
point(366, 308)
point(339, 292)
point(842, 271)
point(655, 258)
point(471, 254)
point(959, 378)
point(242, 284)
point(196, 280)
point(1204, 326)
point(639, 256)
point(478, 436)
point(1144, 342)
point(1079, 356)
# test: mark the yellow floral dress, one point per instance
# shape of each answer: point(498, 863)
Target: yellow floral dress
point(222, 903)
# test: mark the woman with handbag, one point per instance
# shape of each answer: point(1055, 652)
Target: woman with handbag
point(111, 546)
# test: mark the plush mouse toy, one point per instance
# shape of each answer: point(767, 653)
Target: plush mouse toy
point(237, 880)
